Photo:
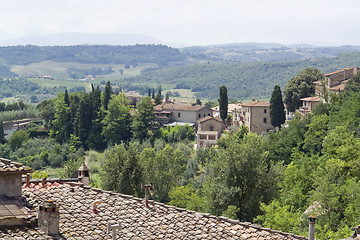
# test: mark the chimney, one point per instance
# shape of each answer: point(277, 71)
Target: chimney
point(312, 219)
point(48, 218)
point(84, 175)
point(356, 232)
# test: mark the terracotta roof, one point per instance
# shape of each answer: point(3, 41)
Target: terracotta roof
point(231, 107)
point(179, 107)
point(160, 221)
point(8, 166)
point(207, 132)
point(340, 71)
point(340, 87)
point(256, 104)
point(311, 99)
point(204, 119)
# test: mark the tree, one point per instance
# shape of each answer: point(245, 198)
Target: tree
point(301, 86)
point(2, 135)
point(198, 102)
point(116, 123)
point(277, 113)
point(61, 126)
point(158, 97)
point(223, 103)
point(144, 118)
point(149, 92)
point(239, 177)
point(121, 171)
point(106, 95)
point(153, 94)
point(66, 98)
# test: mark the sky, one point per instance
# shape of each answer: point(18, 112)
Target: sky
point(190, 22)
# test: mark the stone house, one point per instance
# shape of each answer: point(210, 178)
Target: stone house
point(209, 131)
point(309, 104)
point(180, 112)
point(255, 115)
point(335, 81)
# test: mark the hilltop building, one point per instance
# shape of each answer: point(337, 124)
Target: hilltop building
point(181, 113)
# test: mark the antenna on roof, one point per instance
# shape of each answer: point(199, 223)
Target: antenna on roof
point(114, 229)
point(147, 188)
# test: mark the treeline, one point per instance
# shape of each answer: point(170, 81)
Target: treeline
point(243, 80)
point(104, 54)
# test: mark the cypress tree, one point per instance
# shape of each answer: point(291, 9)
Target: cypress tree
point(153, 94)
point(277, 113)
point(107, 95)
point(2, 135)
point(66, 98)
point(149, 92)
point(223, 103)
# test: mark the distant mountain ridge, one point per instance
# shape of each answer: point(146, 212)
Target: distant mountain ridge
point(68, 39)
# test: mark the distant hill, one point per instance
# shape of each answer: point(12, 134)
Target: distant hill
point(68, 39)
point(244, 80)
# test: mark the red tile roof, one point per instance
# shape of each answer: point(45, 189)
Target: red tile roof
point(160, 221)
point(179, 107)
point(256, 104)
point(8, 166)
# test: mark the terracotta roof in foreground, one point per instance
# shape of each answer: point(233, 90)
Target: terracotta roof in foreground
point(160, 221)
point(8, 166)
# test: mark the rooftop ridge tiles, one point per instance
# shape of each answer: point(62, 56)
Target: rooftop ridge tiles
point(194, 213)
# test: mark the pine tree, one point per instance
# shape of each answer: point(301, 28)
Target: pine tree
point(277, 113)
point(223, 103)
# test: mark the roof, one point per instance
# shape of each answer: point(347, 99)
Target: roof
point(311, 99)
point(204, 119)
point(179, 107)
point(256, 103)
point(340, 87)
point(340, 71)
point(208, 132)
point(160, 221)
point(231, 107)
point(8, 166)
point(14, 210)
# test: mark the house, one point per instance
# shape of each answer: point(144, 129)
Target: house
point(133, 97)
point(309, 104)
point(335, 81)
point(209, 131)
point(70, 210)
point(255, 115)
point(180, 112)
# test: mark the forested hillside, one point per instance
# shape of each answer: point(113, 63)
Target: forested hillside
point(105, 54)
point(243, 80)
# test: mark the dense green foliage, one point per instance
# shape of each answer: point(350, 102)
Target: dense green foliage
point(301, 86)
point(277, 112)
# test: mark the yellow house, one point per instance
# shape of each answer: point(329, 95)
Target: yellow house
point(255, 115)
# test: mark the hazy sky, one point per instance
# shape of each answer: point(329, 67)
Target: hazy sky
point(191, 22)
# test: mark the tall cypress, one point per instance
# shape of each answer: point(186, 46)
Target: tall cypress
point(223, 103)
point(277, 113)
point(2, 135)
point(66, 98)
point(107, 95)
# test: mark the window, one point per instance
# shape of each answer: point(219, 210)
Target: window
point(204, 115)
point(265, 120)
point(208, 114)
point(264, 110)
point(202, 136)
point(199, 115)
point(211, 137)
point(243, 113)
point(211, 128)
point(178, 114)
